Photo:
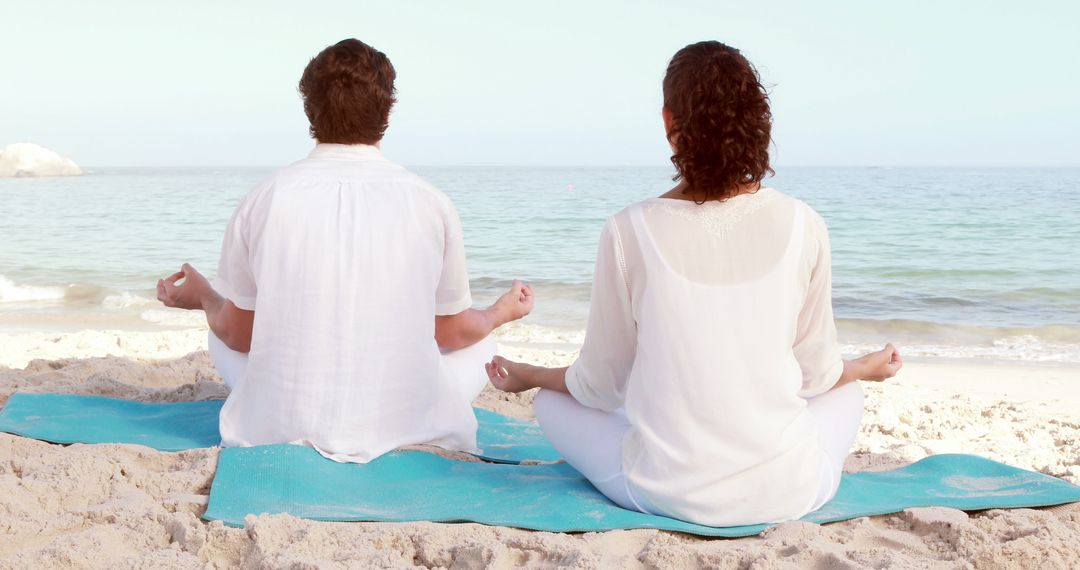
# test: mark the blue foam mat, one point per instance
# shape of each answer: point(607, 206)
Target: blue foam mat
point(69, 418)
point(416, 486)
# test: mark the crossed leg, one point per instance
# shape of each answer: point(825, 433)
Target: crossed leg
point(466, 364)
point(591, 440)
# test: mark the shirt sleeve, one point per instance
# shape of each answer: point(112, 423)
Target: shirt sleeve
point(599, 376)
point(235, 276)
point(452, 296)
point(816, 347)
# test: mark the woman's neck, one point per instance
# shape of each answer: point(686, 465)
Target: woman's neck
point(680, 192)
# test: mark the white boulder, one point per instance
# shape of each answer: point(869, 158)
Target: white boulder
point(28, 159)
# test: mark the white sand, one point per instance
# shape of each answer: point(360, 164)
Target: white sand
point(132, 507)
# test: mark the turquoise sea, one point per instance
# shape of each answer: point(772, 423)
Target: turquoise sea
point(951, 262)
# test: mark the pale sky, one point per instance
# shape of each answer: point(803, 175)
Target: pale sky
point(136, 83)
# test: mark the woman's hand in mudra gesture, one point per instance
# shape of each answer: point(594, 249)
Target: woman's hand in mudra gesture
point(510, 376)
point(507, 375)
point(874, 367)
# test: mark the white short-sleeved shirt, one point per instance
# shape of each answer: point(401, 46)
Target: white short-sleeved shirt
point(712, 323)
point(346, 258)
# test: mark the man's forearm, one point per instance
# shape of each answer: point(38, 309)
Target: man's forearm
point(228, 322)
point(212, 303)
point(470, 326)
point(467, 327)
point(226, 329)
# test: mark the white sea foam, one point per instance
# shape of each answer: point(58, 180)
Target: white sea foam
point(1026, 347)
point(124, 300)
point(30, 160)
point(539, 334)
point(174, 317)
point(10, 292)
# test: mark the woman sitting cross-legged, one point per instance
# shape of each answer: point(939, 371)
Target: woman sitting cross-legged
point(710, 387)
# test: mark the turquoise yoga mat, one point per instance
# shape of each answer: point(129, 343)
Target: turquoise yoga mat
point(416, 486)
point(68, 418)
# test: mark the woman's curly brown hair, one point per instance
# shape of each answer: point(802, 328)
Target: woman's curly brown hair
point(721, 122)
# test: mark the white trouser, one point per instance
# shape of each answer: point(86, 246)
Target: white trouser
point(591, 440)
point(231, 365)
point(466, 365)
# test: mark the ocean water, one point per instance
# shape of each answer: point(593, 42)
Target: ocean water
point(954, 262)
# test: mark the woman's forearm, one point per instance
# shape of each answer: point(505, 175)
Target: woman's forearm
point(548, 378)
point(853, 370)
point(875, 366)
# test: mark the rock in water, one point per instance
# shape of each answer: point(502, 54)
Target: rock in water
point(28, 159)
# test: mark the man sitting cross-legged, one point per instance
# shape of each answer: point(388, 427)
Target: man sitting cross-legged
point(340, 316)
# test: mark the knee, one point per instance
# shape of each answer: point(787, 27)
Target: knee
point(483, 349)
point(215, 347)
point(858, 396)
point(852, 398)
point(545, 402)
point(487, 347)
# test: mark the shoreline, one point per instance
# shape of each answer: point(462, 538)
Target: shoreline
point(22, 340)
point(1053, 385)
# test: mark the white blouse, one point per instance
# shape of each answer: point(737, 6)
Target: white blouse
point(711, 324)
point(346, 258)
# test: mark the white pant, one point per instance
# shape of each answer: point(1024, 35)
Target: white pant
point(591, 440)
point(467, 364)
point(230, 364)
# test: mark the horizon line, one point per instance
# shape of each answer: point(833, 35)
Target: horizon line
point(546, 166)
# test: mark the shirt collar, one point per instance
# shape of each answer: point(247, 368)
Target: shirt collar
point(346, 151)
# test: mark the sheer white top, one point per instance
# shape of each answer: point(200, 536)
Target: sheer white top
point(711, 324)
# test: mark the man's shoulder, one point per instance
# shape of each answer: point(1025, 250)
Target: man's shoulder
point(263, 188)
point(429, 189)
point(306, 172)
point(381, 171)
point(403, 177)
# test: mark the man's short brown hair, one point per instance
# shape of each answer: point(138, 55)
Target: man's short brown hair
point(348, 90)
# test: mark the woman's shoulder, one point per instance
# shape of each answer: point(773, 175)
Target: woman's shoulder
point(813, 218)
point(621, 223)
point(625, 215)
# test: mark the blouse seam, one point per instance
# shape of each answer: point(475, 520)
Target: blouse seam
point(620, 257)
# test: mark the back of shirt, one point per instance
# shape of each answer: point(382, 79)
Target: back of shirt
point(346, 258)
point(711, 324)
